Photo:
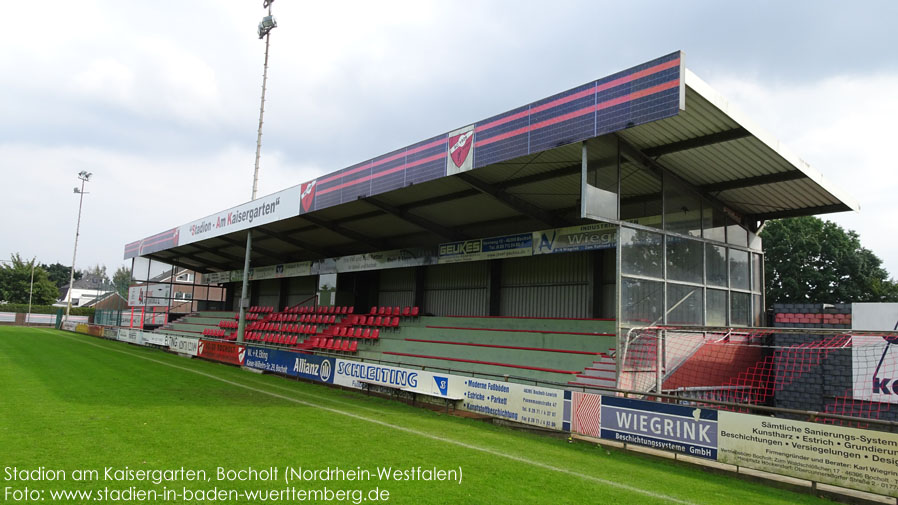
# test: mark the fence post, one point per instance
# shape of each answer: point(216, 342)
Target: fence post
point(659, 351)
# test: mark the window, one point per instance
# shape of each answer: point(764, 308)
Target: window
point(641, 302)
point(713, 224)
point(684, 260)
point(739, 269)
point(641, 253)
point(740, 308)
point(640, 195)
point(717, 307)
point(684, 304)
point(716, 258)
point(682, 209)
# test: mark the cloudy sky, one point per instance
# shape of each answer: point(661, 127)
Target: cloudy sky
point(160, 99)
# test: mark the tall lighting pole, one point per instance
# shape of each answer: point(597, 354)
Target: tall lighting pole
point(30, 291)
point(267, 24)
point(85, 177)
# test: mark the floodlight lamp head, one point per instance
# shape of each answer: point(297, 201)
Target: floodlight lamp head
point(267, 3)
point(266, 25)
point(84, 175)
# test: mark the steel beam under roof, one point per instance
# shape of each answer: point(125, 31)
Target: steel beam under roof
point(514, 202)
point(283, 237)
point(379, 245)
point(418, 221)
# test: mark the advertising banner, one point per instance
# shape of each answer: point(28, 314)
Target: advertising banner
point(216, 277)
point(848, 457)
point(355, 374)
point(397, 258)
point(224, 352)
point(548, 408)
point(306, 366)
point(183, 345)
point(586, 414)
point(69, 325)
point(685, 430)
point(487, 248)
point(874, 368)
point(110, 333)
point(154, 338)
point(575, 238)
point(131, 336)
point(267, 209)
point(149, 295)
point(33, 318)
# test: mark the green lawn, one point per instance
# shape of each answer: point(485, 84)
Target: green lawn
point(73, 402)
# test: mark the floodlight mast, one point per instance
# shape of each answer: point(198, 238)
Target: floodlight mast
point(265, 26)
point(85, 177)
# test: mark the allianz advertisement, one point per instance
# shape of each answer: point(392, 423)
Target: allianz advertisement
point(305, 366)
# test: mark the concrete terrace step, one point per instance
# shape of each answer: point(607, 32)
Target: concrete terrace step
point(584, 380)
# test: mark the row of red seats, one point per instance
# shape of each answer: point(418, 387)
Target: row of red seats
point(271, 338)
point(394, 311)
point(250, 316)
point(227, 323)
point(357, 332)
point(330, 344)
point(212, 332)
point(318, 319)
point(309, 329)
point(261, 310)
point(387, 322)
point(320, 309)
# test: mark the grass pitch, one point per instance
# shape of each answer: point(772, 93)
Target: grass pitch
point(72, 402)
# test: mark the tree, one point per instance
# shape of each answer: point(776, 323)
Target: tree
point(122, 279)
point(97, 271)
point(808, 260)
point(59, 274)
point(15, 283)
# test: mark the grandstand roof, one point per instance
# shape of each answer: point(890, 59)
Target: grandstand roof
point(515, 172)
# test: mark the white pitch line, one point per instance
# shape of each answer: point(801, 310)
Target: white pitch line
point(458, 443)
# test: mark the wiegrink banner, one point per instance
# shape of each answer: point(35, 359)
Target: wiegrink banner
point(685, 430)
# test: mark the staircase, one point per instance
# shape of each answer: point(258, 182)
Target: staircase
point(602, 373)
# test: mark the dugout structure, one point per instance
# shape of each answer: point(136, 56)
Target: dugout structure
point(629, 201)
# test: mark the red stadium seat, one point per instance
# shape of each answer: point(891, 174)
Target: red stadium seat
point(394, 323)
point(354, 347)
point(379, 321)
point(395, 311)
point(375, 333)
point(382, 311)
point(366, 333)
point(414, 311)
point(406, 311)
point(345, 347)
point(373, 310)
point(358, 333)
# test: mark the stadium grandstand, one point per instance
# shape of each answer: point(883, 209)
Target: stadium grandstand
point(530, 244)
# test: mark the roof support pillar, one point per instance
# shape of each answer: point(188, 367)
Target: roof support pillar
point(244, 301)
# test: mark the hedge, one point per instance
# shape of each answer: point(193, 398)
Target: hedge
point(44, 309)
